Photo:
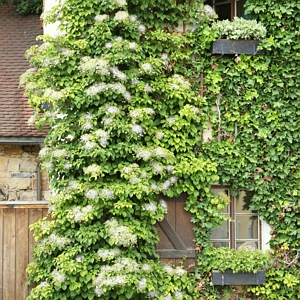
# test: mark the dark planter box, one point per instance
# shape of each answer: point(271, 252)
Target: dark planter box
point(240, 278)
point(224, 46)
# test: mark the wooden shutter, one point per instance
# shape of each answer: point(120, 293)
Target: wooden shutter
point(176, 235)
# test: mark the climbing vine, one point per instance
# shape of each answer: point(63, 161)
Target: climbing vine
point(127, 93)
point(26, 6)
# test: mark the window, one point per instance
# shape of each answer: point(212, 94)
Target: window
point(245, 230)
point(228, 9)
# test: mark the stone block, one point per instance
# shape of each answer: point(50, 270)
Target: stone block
point(22, 175)
point(28, 166)
point(11, 150)
point(3, 163)
point(27, 195)
point(46, 195)
point(4, 174)
point(13, 164)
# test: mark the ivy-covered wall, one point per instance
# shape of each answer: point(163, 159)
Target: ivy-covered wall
point(128, 109)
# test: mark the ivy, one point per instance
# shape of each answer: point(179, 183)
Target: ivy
point(26, 6)
point(129, 97)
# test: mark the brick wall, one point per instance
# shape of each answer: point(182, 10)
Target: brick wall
point(18, 174)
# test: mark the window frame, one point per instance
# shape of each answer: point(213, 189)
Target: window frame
point(232, 225)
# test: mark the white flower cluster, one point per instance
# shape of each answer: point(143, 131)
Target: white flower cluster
point(108, 254)
point(93, 170)
point(158, 152)
point(179, 82)
point(91, 194)
point(121, 16)
point(66, 52)
point(59, 153)
point(120, 235)
point(107, 193)
point(50, 61)
point(116, 73)
point(147, 68)
point(72, 185)
point(53, 239)
point(79, 258)
point(140, 112)
point(171, 120)
point(157, 167)
point(101, 18)
point(44, 151)
point(103, 135)
point(120, 3)
point(53, 94)
point(141, 28)
point(142, 284)
point(151, 207)
point(26, 75)
point(174, 271)
point(137, 129)
point(58, 277)
point(79, 213)
point(98, 65)
point(101, 87)
point(164, 205)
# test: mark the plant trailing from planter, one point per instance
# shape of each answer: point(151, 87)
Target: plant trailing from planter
point(239, 28)
point(243, 260)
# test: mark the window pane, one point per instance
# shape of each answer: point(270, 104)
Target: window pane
point(221, 232)
point(223, 11)
point(219, 244)
point(250, 245)
point(242, 202)
point(246, 227)
point(240, 9)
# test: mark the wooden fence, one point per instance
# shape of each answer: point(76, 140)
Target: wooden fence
point(16, 246)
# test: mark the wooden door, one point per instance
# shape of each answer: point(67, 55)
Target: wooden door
point(16, 247)
point(176, 235)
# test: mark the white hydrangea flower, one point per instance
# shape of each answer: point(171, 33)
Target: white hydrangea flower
point(91, 194)
point(151, 207)
point(141, 284)
point(154, 187)
point(143, 154)
point(134, 180)
point(85, 138)
point(98, 291)
point(153, 294)
point(180, 272)
point(121, 16)
point(99, 65)
point(135, 81)
point(107, 121)
point(108, 45)
point(133, 18)
point(118, 39)
point(141, 28)
point(147, 67)
point(43, 284)
point(159, 135)
point(137, 129)
point(168, 269)
point(170, 169)
point(59, 277)
point(171, 120)
point(164, 205)
point(112, 110)
point(116, 73)
point(108, 254)
point(107, 193)
point(88, 146)
point(160, 152)
point(93, 170)
point(79, 258)
point(133, 46)
point(178, 294)
point(102, 18)
point(127, 96)
point(87, 126)
point(157, 168)
point(120, 3)
point(147, 88)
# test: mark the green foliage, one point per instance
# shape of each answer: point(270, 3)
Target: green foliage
point(244, 260)
point(126, 127)
point(26, 6)
point(239, 28)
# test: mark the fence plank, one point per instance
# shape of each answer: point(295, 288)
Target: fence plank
point(21, 252)
point(9, 254)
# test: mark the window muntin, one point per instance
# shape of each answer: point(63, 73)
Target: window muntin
point(244, 231)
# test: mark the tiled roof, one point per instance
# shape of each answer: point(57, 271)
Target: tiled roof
point(17, 34)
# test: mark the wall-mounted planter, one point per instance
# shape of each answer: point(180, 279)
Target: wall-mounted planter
point(224, 46)
point(239, 278)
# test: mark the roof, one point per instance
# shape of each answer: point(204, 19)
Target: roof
point(17, 34)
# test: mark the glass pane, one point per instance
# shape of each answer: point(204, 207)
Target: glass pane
point(223, 11)
point(219, 244)
point(250, 245)
point(246, 227)
point(221, 232)
point(240, 12)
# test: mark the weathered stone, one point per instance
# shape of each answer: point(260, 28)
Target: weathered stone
point(3, 163)
point(21, 175)
point(28, 166)
point(13, 164)
point(27, 195)
point(13, 195)
point(11, 150)
point(4, 174)
point(46, 195)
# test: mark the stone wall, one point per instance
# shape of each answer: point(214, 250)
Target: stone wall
point(18, 174)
